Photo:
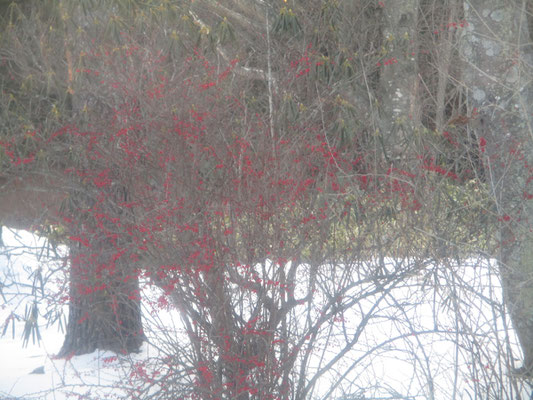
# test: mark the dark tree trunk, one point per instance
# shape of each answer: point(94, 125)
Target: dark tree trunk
point(104, 309)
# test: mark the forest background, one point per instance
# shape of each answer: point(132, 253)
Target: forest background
point(271, 166)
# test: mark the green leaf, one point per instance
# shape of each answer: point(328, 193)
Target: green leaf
point(225, 32)
point(31, 327)
point(287, 23)
point(291, 108)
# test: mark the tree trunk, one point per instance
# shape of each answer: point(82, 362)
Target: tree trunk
point(398, 89)
point(104, 308)
point(498, 56)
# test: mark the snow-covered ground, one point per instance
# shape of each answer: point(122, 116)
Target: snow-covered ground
point(415, 347)
point(28, 367)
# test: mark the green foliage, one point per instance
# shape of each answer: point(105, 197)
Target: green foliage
point(291, 108)
point(324, 69)
point(31, 325)
point(287, 23)
point(225, 32)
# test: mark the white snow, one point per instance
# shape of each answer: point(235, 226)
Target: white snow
point(405, 365)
